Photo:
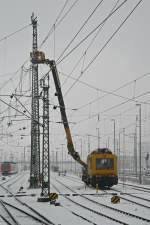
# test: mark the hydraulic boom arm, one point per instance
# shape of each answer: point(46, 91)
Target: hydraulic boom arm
point(39, 57)
point(70, 146)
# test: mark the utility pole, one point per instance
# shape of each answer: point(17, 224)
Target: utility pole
point(57, 159)
point(35, 132)
point(81, 148)
point(135, 147)
point(119, 146)
point(24, 158)
point(108, 142)
point(114, 135)
point(75, 165)
point(62, 152)
point(89, 147)
point(45, 154)
point(140, 155)
point(98, 136)
point(124, 147)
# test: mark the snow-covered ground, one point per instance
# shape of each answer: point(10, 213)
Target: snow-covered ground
point(81, 204)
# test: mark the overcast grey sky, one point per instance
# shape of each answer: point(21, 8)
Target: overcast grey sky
point(124, 59)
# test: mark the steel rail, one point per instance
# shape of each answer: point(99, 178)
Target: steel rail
point(46, 221)
point(4, 219)
point(85, 207)
point(26, 213)
point(9, 213)
point(109, 207)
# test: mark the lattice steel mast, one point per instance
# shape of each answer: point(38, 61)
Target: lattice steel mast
point(45, 154)
point(35, 132)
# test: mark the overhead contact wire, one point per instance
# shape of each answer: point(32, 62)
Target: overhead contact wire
point(116, 106)
point(90, 44)
point(58, 23)
point(107, 42)
point(111, 37)
point(12, 34)
point(86, 21)
point(86, 37)
point(14, 108)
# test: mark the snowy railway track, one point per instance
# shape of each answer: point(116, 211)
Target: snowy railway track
point(12, 180)
point(147, 221)
point(75, 179)
point(10, 218)
point(19, 211)
point(87, 208)
point(136, 187)
point(128, 194)
point(76, 214)
point(132, 196)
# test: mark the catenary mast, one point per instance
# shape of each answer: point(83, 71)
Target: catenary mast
point(35, 132)
point(45, 153)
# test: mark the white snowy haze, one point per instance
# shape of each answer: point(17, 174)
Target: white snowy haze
point(103, 67)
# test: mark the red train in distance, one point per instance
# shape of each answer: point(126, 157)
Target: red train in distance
point(8, 168)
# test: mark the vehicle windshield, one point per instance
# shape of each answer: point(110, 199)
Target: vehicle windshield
point(104, 163)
